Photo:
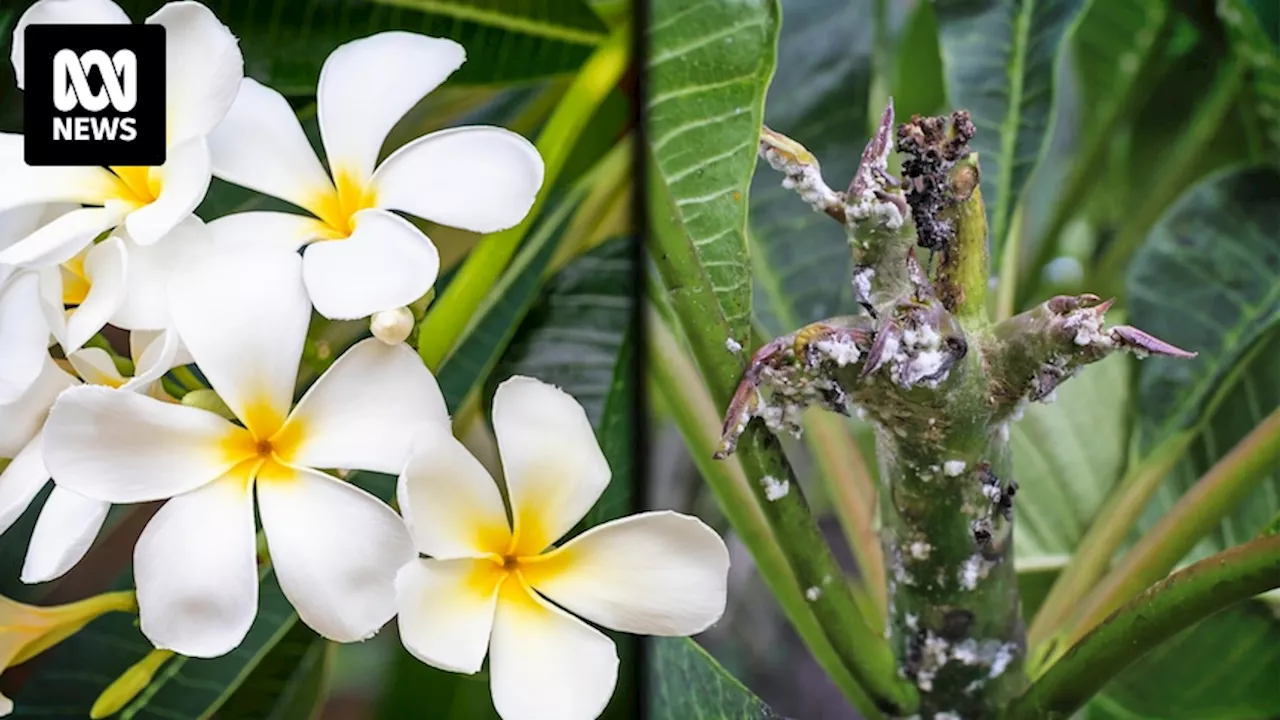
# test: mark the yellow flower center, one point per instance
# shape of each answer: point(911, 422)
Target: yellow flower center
point(265, 446)
point(139, 185)
point(337, 207)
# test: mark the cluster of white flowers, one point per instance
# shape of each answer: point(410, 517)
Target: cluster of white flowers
point(82, 248)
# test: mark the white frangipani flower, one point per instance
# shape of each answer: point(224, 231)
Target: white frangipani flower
point(203, 72)
point(69, 521)
point(243, 316)
point(476, 178)
point(487, 584)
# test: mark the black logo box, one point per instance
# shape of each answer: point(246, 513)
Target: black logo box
point(146, 148)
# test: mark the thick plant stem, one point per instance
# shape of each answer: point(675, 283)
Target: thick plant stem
point(940, 384)
point(945, 507)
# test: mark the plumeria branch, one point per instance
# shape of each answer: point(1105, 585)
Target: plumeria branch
point(939, 384)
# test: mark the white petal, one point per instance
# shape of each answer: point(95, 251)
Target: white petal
point(554, 467)
point(123, 447)
point(105, 267)
point(65, 530)
point(451, 505)
point(203, 68)
point(145, 305)
point(161, 355)
point(95, 367)
point(17, 223)
point(657, 573)
point(386, 263)
point(363, 413)
point(545, 664)
point(22, 184)
point(62, 239)
point(62, 12)
point(196, 569)
point(445, 610)
point(20, 482)
point(476, 178)
point(367, 85)
point(141, 343)
point(21, 419)
point(288, 231)
point(244, 316)
point(184, 180)
point(336, 550)
point(260, 145)
point(24, 335)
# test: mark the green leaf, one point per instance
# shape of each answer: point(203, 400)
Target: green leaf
point(285, 43)
point(1210, 268)
point(1254, 392)
point(708, 66)
point(1067, 457)
point(1207, 280)
point(1254, 27)
point(69, 678)
point(1223, 668)
point(686, 682)
point(819, 97)
point(918, 85)
point(999, 57)
point(289, 683)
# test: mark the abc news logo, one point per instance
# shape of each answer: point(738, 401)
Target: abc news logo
point(94, 95)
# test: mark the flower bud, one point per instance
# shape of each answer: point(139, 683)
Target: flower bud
point(392, 326)
point(128, 685)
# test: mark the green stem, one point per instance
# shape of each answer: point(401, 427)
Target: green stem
point(1166, 608)
point(696, 416)
point(1108, 530)
point(449, 316)
point(1222, 488)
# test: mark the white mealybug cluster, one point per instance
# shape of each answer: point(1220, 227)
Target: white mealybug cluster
point(953, 468)
point(775, 489)
point(812, 594)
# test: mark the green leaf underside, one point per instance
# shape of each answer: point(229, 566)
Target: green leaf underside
point(1209, 274)
point(999, 58)
point(1067, 457)
point(818, 97)
point(707, 63)
point(289, 683)
point(285, 43)
point(685, 682)
point(1207, 280)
